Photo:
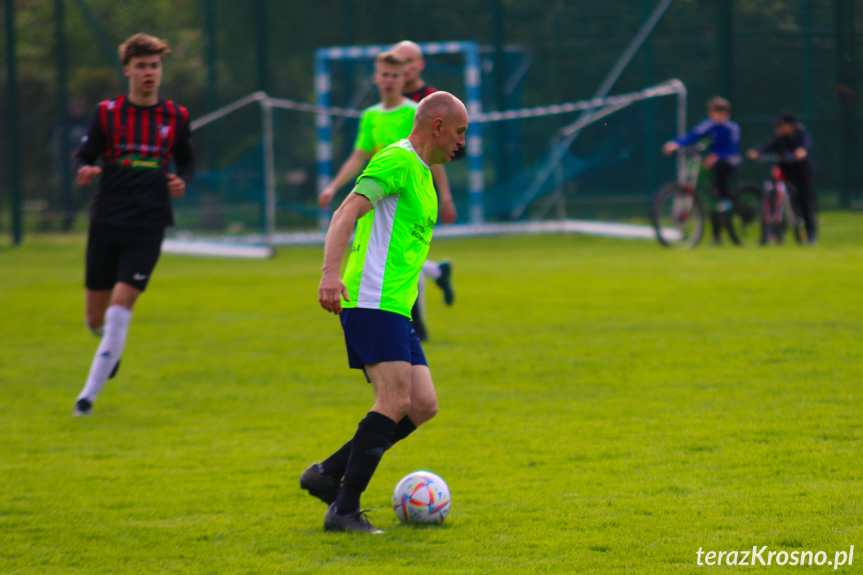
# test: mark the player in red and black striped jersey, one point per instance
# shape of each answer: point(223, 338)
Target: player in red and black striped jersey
point(137, 144)
point(415, 87)
point(420, 93)
point(137, 136)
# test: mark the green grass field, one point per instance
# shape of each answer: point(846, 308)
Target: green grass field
point(607, 406)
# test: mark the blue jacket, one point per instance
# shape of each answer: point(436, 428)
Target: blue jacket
point(724, 139)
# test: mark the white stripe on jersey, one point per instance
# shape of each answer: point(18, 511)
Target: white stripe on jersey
point(372, 280)
point(406, 145)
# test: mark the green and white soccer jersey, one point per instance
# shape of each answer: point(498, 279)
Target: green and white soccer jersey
point(392, 241)
point(380, 127)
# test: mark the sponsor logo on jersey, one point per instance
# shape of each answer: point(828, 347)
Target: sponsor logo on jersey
point(137, 149)
point(422, 232)
point(136, 162)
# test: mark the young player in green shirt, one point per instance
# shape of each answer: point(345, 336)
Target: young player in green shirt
point(380, 125)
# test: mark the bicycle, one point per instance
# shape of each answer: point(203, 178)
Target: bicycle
point(779, 204)
point(677, 210)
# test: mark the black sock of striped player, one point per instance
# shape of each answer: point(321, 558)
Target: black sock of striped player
point(335, 464)
point(367, 448)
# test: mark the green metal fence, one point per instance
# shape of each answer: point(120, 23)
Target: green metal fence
point(59, 60)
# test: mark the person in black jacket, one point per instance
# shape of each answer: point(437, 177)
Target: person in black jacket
point(793, 148)
point(137, 135)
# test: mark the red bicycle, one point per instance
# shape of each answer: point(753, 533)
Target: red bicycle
point(678, 210)
point(779, 204)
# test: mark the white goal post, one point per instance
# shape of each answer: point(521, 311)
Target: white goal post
point(592, 111)
point(473, 102)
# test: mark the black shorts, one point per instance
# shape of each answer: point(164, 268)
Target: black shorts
point(121, 254)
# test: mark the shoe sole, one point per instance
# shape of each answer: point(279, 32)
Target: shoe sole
point(363, 526)
point(340, 529)
point(77, 412)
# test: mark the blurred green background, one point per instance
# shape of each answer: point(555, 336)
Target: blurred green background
point(762, 55)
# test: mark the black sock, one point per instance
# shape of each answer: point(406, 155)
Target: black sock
point(372, 439)
point(403, 428)
point(335, 464)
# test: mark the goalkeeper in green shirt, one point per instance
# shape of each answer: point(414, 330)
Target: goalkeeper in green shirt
point(394, 207)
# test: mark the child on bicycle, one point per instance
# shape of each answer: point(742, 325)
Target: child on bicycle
point(723, 154)
point(792, 145)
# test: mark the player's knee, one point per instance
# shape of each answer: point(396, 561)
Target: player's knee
point(126, 299)
point(431, 409)
point(96, 325)
point(424, 409)
point(402, 405)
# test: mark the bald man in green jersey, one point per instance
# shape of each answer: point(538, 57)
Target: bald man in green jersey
point(381, 125)
point(394, 207)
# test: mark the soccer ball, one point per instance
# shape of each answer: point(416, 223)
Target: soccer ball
point(421, 497)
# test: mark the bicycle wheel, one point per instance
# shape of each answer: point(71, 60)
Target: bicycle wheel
point(743, 221)
point(774, 212)
point(766, 209)
point(678, 216)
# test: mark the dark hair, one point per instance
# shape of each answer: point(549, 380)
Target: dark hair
point(786, 117)
point(142, 45)
point(389, 58)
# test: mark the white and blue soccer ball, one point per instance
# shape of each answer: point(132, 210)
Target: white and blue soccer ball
point(421, 497)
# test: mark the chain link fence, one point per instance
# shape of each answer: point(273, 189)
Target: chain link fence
point(764, 56)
